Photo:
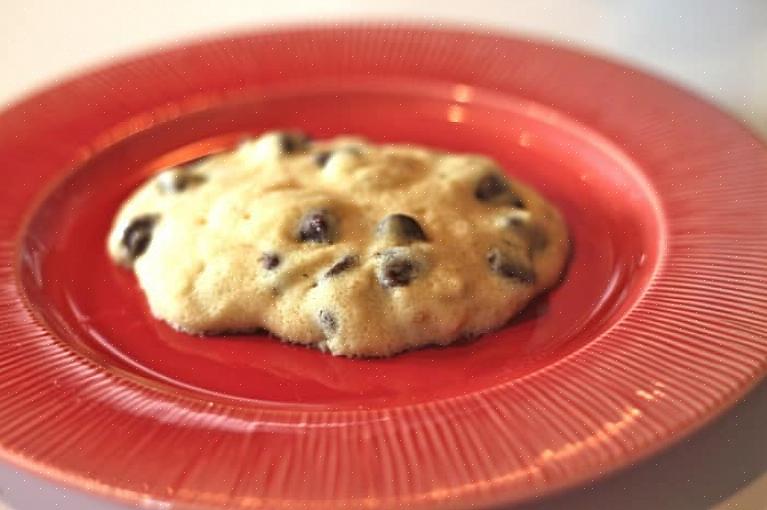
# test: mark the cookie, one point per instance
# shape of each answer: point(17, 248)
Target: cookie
point(354, 248)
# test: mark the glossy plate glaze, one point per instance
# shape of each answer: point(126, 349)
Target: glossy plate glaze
point(657, 326)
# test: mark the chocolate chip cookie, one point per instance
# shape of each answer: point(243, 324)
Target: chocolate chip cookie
point(354, 248)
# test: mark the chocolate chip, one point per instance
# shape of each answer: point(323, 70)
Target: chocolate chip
point(328, 322)
point(401, 228)
point(293, 142)
point(342, 265)
point(269, 260)
point(397, 273)
point(316, 227)
point(321, 158)
point(396, 269)
point(178, 180)
point(489, 187)
point(509, 266)
point(494, 188)
point(138, 235)
point(534, 235)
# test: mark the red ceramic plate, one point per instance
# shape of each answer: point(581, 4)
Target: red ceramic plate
point(658, 326)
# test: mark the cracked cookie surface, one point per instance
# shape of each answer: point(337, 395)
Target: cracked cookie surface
point(355, 248)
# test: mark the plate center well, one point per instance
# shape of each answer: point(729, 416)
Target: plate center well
point(99, 310)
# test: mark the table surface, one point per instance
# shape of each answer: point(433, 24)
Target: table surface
point(717, 49)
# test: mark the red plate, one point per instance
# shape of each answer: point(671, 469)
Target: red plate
point(658, 326)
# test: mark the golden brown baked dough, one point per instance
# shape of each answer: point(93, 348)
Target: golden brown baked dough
point(354, 248)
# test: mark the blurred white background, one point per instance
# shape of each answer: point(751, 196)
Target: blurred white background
point(716, 48)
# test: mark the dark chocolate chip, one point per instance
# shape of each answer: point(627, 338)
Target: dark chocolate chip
point(533, 234)
point(293, 142)
point(397, 273)
point(328, 322)
point(490, 187)
point(138, 235)
point(396, 269)
point(342, 265)
point(316, 227)
point(508, 266)
point(401, 228)
point(269, 260)
point(494, 188)
point(515, 201)
point(176, 181)
point(321, 158)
